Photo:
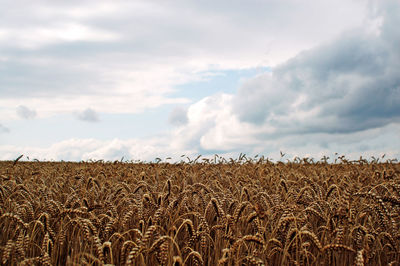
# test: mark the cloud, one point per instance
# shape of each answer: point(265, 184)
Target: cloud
point(347, 88)
point(351, 84)
point(25, 113)
point(212, 126)
point(91, 149)
point(58, 56)
point(4, 129)
point(373, 142)
point(178, 116)
point(88, 115)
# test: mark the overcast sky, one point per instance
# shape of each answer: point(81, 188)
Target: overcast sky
point(100, 79)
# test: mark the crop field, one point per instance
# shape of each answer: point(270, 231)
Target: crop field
point(237, 212)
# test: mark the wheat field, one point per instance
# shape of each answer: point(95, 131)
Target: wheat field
point(236, 212)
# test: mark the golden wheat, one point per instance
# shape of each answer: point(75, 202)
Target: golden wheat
point(244, 212)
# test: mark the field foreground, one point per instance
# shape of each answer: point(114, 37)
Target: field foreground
point(251, 213)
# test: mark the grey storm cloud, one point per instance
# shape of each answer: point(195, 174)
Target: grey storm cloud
point(4, 129)
point(25, 113)
point(350, 84)
point(88, 115)
point(178, 116)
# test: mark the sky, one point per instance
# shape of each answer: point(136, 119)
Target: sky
point(102, 80)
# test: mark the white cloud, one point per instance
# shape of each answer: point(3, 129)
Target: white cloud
point(91, 149)
point(373, 142)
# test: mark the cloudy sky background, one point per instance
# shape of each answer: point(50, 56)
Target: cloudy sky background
point(146, 79)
